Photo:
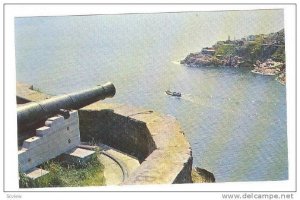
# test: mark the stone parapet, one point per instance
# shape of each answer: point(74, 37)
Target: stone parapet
point(155, 139)
point(26, 93)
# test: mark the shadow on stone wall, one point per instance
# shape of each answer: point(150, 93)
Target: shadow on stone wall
point(156, 140)
point(120, 132)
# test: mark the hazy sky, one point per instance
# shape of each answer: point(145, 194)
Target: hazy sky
point(205, 28)
point(238, 23)
point(128, 34)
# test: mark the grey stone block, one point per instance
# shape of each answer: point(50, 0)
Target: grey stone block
point(43, 131)
point(79, 156)
point(36, 173)
point(56, 137)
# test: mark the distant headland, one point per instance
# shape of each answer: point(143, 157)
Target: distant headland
point(264, 53)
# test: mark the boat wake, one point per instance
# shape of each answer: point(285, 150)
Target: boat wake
point(176, 62)
point(187, 97)
point(196, 99)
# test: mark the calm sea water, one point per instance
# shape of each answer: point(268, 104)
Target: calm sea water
point(234, 120)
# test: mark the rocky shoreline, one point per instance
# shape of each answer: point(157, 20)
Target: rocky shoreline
point(202, 60)
point(200, 175)
point(263, 54)
point(270, 68)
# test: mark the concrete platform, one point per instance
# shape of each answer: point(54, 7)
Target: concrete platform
point(112, 172)
point(130, 163)
point(118, 166)
point(35, 173)
point(79, 156)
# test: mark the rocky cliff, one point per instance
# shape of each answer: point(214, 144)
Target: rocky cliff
point(252, 51)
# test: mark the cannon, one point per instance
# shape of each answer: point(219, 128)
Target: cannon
point(34, 113)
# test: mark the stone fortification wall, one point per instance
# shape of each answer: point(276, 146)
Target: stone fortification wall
point(56, 137)
point(99, 123)
point(156, 140)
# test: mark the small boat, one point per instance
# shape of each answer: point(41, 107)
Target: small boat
point(175, 94)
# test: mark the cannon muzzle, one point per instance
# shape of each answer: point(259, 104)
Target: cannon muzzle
point(36, 112)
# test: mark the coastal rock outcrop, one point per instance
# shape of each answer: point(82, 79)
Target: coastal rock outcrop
point(200, 175)
point(264, 52)
point(202, 60)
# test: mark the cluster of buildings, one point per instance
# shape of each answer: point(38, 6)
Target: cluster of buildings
point(269, 67)
point(240, 42)
point(267, 40)
point(208, 51)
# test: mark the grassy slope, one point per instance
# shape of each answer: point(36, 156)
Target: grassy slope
point(64, 175)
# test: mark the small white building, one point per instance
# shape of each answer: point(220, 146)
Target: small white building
point(208, 51)
point(251, 38)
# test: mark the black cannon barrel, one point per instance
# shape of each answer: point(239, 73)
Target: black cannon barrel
point(35, 112)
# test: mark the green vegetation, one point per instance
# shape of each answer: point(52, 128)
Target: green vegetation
point(253, 50)
point(262, 48)
point(279, 55)
point(225, 50)
point(62, 174)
